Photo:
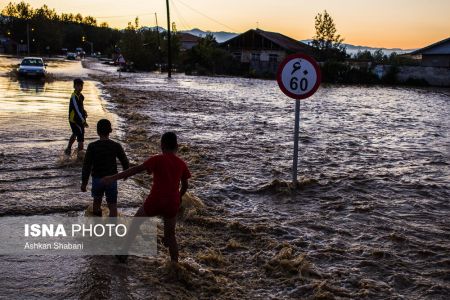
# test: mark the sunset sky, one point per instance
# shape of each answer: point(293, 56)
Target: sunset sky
point(384, 23)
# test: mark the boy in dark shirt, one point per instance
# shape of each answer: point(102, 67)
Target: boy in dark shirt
point(165, 197)
point(77, 116)
point(100, 160)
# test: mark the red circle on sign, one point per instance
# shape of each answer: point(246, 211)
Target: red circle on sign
point(285, 62)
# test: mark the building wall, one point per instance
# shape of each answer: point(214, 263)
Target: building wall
point(264, 55)
point(188, 45)
point(433, 75)
point(436, 60)
point(262, 61)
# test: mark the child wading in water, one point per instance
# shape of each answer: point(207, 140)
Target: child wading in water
point(100, 160)
point(165, 196)
point(77, 116)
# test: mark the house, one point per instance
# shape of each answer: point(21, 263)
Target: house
point(435, 55)
point(261, 51)
point(187, 40)
point(7, 45)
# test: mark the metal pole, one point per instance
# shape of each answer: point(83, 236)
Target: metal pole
point(169, 48)
point(296, 131)
point(159, 43)
point(28, 38)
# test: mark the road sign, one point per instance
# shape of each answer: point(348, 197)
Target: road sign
point(299, 78)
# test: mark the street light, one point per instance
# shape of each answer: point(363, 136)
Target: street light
point(90, 43)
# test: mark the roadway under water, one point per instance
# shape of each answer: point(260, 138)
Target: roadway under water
point(370, 219)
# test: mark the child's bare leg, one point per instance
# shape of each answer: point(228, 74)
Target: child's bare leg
point(71, 141)
point(134, 228)
point(169, 237)
point(96, 207)
point(112, 210)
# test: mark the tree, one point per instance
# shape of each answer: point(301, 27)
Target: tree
point(48, 32)
point(365, 55)
point(207, 58)
point(326, 41)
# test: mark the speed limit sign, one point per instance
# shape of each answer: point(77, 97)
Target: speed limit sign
point(299, 78)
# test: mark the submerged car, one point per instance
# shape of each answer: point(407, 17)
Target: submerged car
point(32, 66)
point(71, 56)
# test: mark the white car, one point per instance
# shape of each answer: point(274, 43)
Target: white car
point(32, 66)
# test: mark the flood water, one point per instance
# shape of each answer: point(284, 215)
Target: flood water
point(370, 218)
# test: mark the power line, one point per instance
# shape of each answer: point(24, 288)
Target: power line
point(138, 15)
point(206, 16)
point(182, 20)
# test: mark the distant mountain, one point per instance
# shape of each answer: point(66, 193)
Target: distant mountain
point(221, 36)
point(160, 29)
point(352, 49)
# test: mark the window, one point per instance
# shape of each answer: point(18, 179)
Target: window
point(237, 56)
point(32, 62)
point(256, 56)
point(273, 57)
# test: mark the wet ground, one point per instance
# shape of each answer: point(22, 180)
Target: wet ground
point(370, 219)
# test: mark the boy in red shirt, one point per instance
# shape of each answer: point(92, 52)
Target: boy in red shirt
point(165, 196)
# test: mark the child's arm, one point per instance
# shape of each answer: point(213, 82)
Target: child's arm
point(124, 174)
point(123, 158)
point(87, 167)
point(183, 189)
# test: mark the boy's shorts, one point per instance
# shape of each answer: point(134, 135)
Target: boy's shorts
point(78, 131)
point(166, 209)
point(98, 190)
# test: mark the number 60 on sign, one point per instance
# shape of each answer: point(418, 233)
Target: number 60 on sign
point(298, 76)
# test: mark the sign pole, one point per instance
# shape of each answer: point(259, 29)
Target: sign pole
point(296, 132)
point(298, 77)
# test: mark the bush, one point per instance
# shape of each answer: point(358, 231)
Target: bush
point(416, 82)
point(208, 59)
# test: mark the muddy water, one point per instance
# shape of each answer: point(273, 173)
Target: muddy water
point(35, 176)
point(370, 219)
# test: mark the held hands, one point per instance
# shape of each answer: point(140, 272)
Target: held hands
point(86, 124)
point(83, 187)
point(106, 181)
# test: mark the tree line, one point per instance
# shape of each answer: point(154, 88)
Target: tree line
point(147, 48)
point(49, 32)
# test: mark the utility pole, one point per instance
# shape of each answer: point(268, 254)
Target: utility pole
point(157, 30)
point(169, 48)
point(159, 43)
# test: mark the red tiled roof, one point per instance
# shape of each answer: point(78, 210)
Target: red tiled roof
point(284, 41)
point(187, 37)
point(279, 39)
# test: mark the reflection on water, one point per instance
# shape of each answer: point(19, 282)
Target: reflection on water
point(370, 219)
point(35, 85)
point(34, 178)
